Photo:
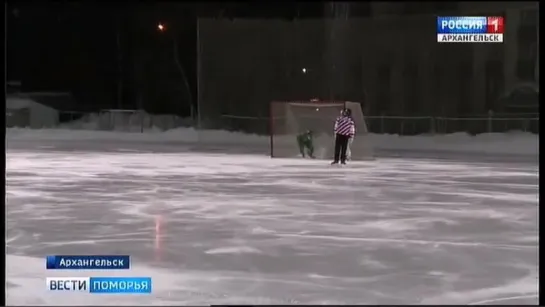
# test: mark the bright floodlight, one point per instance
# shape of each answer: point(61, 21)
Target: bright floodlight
point(304, 70)
point(160, 27)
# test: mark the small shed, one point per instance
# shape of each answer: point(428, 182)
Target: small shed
point(25, 112)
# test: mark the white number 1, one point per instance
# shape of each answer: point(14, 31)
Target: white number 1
point(495, 23)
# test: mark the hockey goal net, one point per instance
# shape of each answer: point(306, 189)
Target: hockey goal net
point(288, 119)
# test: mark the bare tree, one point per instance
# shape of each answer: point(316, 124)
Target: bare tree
point(182, 74)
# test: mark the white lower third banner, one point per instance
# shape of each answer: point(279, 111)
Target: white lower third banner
point(470, 38)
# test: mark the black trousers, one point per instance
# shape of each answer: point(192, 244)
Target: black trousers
point(341, 145)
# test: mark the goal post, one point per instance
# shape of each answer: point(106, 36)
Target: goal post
point(288, 119)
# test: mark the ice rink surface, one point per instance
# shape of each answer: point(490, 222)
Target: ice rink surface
point(213, 228)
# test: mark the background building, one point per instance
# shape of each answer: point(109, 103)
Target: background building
point(22, 111)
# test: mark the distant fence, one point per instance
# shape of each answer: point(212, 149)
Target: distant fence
point(407, 125)
point(121, 121)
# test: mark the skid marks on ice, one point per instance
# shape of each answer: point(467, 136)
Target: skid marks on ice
point(283, 231)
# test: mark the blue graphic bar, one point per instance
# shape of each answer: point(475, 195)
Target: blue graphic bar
point(462, 25)
point(89, 262)
point(125, 285)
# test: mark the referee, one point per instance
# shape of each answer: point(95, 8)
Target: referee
point(345, 128)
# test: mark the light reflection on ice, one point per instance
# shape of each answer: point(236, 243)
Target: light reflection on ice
point(227, 229)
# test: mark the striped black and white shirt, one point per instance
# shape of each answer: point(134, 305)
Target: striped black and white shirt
point(344, 125)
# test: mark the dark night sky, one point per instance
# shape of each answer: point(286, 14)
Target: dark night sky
point(72, 46)
point(45, 37)
point(75, 46)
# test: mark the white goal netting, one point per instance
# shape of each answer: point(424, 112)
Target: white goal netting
point(288, 119)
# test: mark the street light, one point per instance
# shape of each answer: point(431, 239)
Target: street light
point(161, 27)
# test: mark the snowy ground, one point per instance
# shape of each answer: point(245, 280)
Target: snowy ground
point(215, 228)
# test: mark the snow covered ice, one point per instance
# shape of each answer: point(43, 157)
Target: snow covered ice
point(215, 228)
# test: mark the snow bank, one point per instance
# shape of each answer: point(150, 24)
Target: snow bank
point(515, 143)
